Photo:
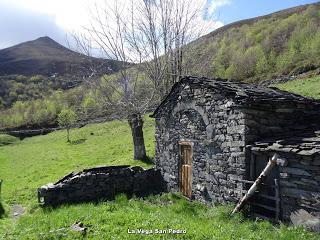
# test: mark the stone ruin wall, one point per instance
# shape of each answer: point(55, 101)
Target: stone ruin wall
point(217, 132)
point(299, 182)
point(102, 183)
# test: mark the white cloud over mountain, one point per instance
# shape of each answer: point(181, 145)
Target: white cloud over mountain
point(53, 17)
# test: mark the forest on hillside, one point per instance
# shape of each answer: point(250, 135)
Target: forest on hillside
point(262, 49)
point(15, 88)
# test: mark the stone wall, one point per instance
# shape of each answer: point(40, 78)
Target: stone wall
point(216, 131)
point(222, 121)
point(279, 119)
point(299, 182)
point(102, 183)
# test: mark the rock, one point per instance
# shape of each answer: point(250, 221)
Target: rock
point(78, 227)
point(17, 211)
point(282, 162)
point(302, 218)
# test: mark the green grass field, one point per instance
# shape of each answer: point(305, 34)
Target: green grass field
point(28, 164)
point(309, 87)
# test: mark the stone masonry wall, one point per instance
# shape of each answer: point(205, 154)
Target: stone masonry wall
point(299, 182)
point(280, 120)
point(102, 183)
point(222, 121)
point(216, 131)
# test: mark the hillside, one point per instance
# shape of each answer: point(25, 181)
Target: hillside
point(110, 143)
point(309, 87)
point(34, 69)
point(44, 56)
point(284, 43)
point(280, 46)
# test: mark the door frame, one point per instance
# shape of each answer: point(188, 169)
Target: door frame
point(185, 143)
point(274, 198)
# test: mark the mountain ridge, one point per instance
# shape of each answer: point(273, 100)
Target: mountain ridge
point(44, 56)
point(282, 13)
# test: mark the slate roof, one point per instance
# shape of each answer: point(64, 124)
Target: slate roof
point(307, 144)
point(241, 92)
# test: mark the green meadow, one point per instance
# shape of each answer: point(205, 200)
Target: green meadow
point(33, 162)
point(309, 87)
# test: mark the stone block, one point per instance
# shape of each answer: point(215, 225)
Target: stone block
point(282, 162)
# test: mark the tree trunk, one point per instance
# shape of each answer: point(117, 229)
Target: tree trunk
point(136, 123)
point(68, 135)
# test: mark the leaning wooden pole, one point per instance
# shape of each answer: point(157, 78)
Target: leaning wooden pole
point(272, 162)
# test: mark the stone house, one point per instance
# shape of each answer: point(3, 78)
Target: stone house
point(214, 137)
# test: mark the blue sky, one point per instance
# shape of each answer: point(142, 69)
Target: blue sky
point(243, 9)
point(24, 20)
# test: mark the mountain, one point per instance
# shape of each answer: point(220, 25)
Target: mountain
point(44, 56)
point(278, 46)
point(35, 69)
point(281, 44)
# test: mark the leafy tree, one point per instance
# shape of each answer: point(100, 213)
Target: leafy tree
point(89, 105)
point(67, 119)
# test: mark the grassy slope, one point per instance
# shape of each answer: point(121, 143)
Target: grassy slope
point(26, 165)
point(111, 220)
point(36, 161)
point(309, 87)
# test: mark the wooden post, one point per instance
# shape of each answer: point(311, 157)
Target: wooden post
point(255, 185)
point(277, 199)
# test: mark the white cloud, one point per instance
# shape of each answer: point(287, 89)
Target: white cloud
point(213, 5)
point(72, 14)
point(68, 14)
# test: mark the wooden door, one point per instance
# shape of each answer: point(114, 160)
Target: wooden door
point(186, 170)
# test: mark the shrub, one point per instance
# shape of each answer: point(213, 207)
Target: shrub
point(67, 119)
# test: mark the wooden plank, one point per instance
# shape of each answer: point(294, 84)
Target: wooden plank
point(181, 181)
point(185, 169)
point(189, 181)
point(184, 180)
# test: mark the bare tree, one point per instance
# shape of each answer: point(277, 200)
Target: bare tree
point(150, 35)
point(158, 32)
point(122, 92)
